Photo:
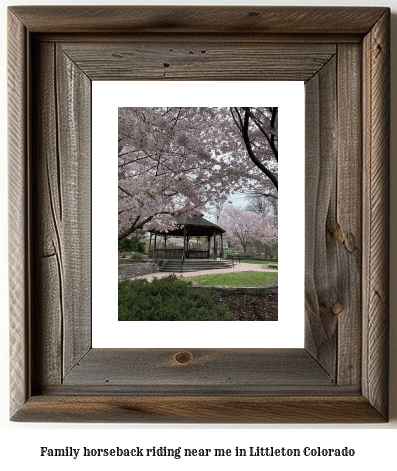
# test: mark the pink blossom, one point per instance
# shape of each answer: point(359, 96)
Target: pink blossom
point(184, 159)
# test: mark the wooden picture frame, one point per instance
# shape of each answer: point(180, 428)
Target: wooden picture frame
point(342, 54)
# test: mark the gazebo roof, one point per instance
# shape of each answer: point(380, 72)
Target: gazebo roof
point(196, 221)
point(195, 226)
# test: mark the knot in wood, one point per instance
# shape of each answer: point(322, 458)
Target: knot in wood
point(338, 235)
point(183, 358)
point(337, 308)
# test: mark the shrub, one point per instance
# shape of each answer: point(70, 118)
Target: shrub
point(136, 255)
point(168, 299)
point(131, 245)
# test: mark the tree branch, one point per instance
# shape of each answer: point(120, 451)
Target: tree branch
point(253, 157)
point(269, 139)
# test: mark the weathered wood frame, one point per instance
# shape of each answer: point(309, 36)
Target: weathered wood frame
point(343, 56)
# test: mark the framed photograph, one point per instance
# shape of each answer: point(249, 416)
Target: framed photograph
point(200, 98)
point(342, 56)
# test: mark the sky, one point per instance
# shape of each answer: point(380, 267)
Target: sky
point(237, 199)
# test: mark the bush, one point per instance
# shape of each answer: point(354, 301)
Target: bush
point(136, 255)
point(131, 245)
point(168, 299)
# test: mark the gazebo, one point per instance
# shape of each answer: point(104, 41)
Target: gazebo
point(187, 227)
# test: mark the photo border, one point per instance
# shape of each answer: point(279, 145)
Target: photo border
point(288, 331)
point(343, 56)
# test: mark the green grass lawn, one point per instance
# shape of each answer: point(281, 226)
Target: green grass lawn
point(244, 278)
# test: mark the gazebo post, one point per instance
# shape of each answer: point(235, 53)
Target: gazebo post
point(214, 245)
point(188, 229)
point(187, 242)
point(184, 238)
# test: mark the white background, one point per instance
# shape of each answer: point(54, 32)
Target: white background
point(289, 330)
point(374, 444)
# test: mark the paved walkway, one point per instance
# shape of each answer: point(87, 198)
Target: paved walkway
point(237, 267)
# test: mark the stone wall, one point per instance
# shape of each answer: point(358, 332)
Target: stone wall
point(133, 268)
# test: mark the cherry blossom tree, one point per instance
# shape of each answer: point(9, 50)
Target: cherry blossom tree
point(257, 132)
point(217, 208)
point(244, 227)
point(180, 160)
point(174, 242)
point(266, 206)
point(257, 128)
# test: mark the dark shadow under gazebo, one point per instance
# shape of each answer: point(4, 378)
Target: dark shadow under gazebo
point(187, 228)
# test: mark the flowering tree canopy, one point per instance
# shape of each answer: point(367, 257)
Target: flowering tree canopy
point(258, 130)
point(244, 227)
point(180, 160)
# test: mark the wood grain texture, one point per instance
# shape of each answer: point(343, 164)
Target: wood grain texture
point(339, 378)
point(208, 37)
point(199, 60)
point(198, 19)
point(73, 89)
point(321, 263)
point(346, 228)
point(376, 91)
point(334, 216)
point(47, 320)
point(252, 369)
point(62, 206)
point(18, 213)
point(199, 409)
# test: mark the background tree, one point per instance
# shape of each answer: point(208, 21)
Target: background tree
point(217, 209)
point(263, 205)
point(258, 131)
point(133, 244)
point(245, 228)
